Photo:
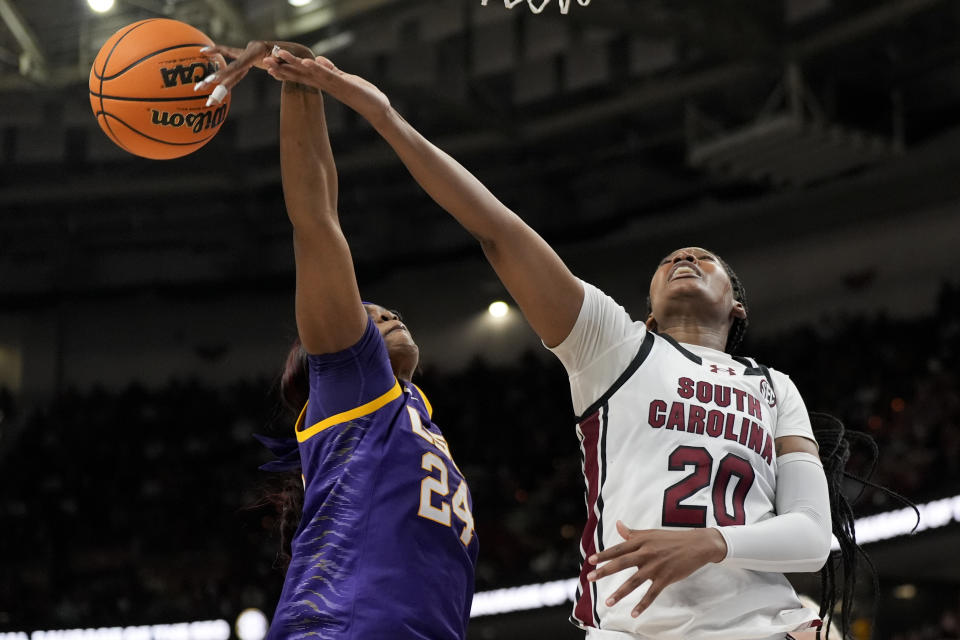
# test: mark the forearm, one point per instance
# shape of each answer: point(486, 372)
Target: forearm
point(546, 291)
point(307, 166)
point(796, 540)
point(445, 180)
point(328, 310)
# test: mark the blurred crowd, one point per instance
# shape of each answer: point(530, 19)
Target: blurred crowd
point(146, 506)
point(945, 626)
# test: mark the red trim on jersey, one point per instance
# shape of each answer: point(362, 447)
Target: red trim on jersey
point(590, 428)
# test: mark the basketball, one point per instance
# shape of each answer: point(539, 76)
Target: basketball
point(141, 89)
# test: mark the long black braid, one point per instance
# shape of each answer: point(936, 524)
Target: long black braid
point(838, 578)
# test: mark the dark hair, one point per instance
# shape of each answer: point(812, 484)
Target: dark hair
point(286, 490)
point(835, 446)
point(295, 380)
point(739, 326)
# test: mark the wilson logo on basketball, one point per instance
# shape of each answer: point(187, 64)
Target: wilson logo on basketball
point(197, 121)
point(189, 74)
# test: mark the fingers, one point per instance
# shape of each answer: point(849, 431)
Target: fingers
point(217, 95)
point(647, 599)
point(624, 531)
point(632, 583)
point(286, 72)
point(286, 56)
point(614, 566)
point(632, 543)
point(227, 52)
point(228, 77)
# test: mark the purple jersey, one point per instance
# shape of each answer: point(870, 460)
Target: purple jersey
point(386, 546)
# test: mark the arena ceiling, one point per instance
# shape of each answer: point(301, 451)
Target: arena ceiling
point(585, 123)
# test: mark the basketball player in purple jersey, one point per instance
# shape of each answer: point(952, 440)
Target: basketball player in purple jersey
point(703, 478)
point(385, 547)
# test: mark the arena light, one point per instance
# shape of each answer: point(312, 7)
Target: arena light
point(905, 592)
point(900, 522)
point(251, 625)
point(530, 596)
point(299, 3)
point(100, 6)
point(498, 309)
point(200, 630)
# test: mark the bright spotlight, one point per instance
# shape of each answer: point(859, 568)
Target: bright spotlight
point(251, 625)
point(299, 3)
point(100, 6)
point(498, 309)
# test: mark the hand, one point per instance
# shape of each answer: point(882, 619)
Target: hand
point(355, 92)
point(256, 54)
point(662, 556)
point(230, 74)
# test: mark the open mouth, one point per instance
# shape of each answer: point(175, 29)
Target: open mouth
point(685, 271)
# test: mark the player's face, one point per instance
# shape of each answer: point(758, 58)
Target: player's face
point(404, 353)
point(692, 281)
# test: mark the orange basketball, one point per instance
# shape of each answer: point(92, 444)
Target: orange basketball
point(141, 89)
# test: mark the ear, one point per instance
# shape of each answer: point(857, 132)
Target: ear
point(738, 311)
point(651, 323)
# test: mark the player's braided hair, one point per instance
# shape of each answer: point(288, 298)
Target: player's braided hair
point(739, 327)
point(838, 578)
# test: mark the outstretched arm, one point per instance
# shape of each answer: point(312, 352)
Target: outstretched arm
point(330, 316)
point(547, 293)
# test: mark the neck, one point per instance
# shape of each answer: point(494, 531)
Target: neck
point(403, 370)
point(693, 333)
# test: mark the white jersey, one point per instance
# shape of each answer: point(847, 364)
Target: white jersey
point(677, 436)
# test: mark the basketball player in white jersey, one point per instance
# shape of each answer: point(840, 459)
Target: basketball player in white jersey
point(702, 473)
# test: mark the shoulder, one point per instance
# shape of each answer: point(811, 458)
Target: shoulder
point(782, 381)
point(349, 384)
point(369, 346)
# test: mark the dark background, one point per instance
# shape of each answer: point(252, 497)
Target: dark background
point(145, 306)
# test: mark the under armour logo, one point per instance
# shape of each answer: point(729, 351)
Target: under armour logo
point(715, 369)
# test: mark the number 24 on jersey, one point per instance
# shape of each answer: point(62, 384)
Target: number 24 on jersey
point(458, 504)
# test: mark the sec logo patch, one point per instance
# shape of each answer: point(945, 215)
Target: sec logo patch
point(766, 389)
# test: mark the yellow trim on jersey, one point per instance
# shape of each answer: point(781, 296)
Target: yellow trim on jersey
point(425, 401)
point(346, 416)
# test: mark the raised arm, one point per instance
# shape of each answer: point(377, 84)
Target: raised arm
point(547, 293)
point(330, 316)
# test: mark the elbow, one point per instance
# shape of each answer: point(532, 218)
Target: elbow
point(500, 230)
point(817, 562)
point(489, 245)
point(823, 552)
point(821, 541)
